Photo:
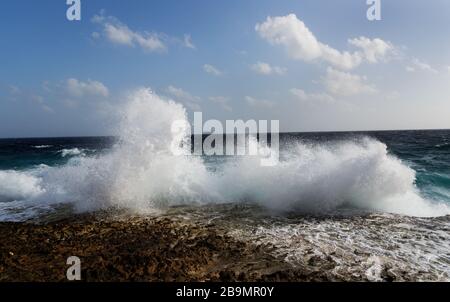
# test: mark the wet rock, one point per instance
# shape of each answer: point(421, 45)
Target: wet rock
point(132, 248)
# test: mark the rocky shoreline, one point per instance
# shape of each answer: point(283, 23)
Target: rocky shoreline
point(134, 248)
point(226, 243)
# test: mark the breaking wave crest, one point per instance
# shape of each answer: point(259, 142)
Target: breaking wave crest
point(142, 173)
point(72, 152)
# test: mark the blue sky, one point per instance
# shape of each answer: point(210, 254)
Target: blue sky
point(61, 78)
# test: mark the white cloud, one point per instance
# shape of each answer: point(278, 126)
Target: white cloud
point(266, 69)
point(291, 33)
point(183, 96)
point(313, 97)
point(119, 33)
point(187, 42)
point(212, 70)
point(373, 50)
point(222, 101)
point(346, 84)
point(259, 103)
point(78, 88)
point(301, 44)
point(416, 65)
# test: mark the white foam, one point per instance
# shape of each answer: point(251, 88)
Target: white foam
point(18, 186)
point(71, 152)
point(323, 177)
point(42, 146)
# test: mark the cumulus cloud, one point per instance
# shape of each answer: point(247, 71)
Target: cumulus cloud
point(417, 65)
point(311, 97)
point(265, 69)
point(191, 101)
point(259, 103)
point(372, 50)
point(346, 84)
point(222, 102)
point(77, 88)
point(212, 70)
point(119, 33)
point(301, 44)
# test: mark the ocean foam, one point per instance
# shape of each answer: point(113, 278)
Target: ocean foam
point(19, 186)
point(72, 152)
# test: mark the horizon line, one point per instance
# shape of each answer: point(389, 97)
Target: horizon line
point(281, 132)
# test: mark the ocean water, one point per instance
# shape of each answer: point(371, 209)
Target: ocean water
point(420, 170)
point(401, 172)
point(318, 171)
